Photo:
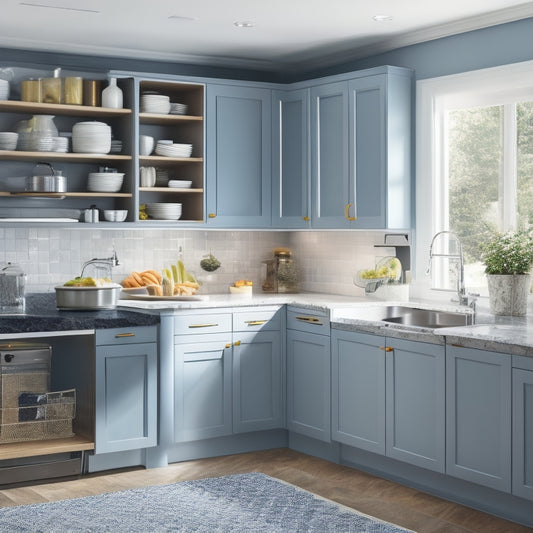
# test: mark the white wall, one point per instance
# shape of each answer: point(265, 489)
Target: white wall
point(327, 260)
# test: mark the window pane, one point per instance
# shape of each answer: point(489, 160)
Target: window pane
point(475, 157)
point(524, 119)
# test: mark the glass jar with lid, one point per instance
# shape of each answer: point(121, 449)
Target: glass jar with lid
point(280, 274)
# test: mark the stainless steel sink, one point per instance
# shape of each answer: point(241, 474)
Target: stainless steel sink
point(412, 316)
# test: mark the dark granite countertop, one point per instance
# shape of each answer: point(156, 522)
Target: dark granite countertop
point(41, 314)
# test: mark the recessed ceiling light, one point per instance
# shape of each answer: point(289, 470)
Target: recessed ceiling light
point(382, 18)
point(181, 18)
point(29, 4)
point(244, 24)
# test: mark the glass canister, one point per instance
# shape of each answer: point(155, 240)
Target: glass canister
point(287, 274)
point(12, 286)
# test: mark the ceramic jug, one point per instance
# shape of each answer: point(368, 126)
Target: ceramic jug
point(112, 95)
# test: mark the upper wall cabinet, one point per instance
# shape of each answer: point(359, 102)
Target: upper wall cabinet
point(238, 156)
point(342, 152)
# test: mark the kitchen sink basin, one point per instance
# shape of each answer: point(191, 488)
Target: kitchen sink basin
point(427, 318)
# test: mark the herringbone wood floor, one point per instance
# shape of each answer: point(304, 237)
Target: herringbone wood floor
point(375, 496)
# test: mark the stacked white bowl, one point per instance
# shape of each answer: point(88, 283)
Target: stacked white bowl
point(155, 103)
point(165, 211)
point(173, 150)
point(91, 138)
point(105, 181)
point(60, 144)
point(8, 140)
point(180, 184)
point(4, 90)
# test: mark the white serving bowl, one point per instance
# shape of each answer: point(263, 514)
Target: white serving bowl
point(115, 215)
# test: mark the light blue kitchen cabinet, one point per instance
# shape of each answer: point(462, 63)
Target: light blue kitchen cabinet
point(238, 156)
point(202, 388)
point(361, 152)
point(415, 403)
point(388, 397)
point(358, 390)
point(523, 428)
point(478, 416)
point(291, 187)
point(308, 375)
point(257, 381)
point(126, 389)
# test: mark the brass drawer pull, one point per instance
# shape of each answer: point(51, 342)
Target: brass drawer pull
point(228, 345)
point(386, 348)
point(211, 215)
point(203, 325)
point(255, 322)
point(310, 320)
point(120, 335)
point(237, 343)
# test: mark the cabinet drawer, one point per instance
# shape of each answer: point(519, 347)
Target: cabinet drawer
point(133, 335)
point(202, 323)
point(306, 320)
point(256, 320)
point(522, 361)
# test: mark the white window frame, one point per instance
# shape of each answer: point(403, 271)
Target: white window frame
point(493, 86)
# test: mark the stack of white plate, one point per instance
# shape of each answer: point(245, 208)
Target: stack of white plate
point(8, 140)
point(180, 184)
point(35, 141)
point(4, 90)
point(116, 146)
point(60, 144)
point(155, 103)
point(91, 138)
point(164, 211)
point(174, 150)
point(178, 109)
point(104, 181)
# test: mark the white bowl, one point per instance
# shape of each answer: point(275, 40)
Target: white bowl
point(115, 215)
point(179, 184)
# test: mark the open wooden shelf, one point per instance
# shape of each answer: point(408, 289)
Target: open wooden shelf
point(60, 195)
point(170, 190)
point(16, 450)
point(169, 160)
point(154, 118)
point(19, 155)
point(17, 106)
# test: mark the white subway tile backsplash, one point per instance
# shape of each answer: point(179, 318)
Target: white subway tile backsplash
point(327, 260)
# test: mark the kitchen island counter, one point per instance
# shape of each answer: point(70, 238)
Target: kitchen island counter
point(41, 315)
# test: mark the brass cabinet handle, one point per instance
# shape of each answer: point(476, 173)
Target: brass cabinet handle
point(228, 345)
point(386, 348)
point(237, 343)
point(347, 212)
point(119, 335)
point(310, 320)
point(211, 215)
point(306, 219)
point(255, 322)
point(202, 325)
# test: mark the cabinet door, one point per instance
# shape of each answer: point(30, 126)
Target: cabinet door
point(478, 416)
point(331, 188)
point(523, 433)
point(126, 397)
point(257, 378)
point(291, 202)
point(238, 156)
point(358, 390)
point(368, 151)
point(415, 420)
point(308, 384)
point(202, 390)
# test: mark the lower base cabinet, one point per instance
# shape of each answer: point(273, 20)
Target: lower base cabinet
point(523, 428)
point(478, 416)
point(126, 389)
point(388, 397)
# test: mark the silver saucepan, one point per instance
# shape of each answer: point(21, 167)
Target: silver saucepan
point(50, 182)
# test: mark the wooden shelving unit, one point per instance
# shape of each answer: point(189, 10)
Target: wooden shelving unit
point(70, 157)
point(16, 106)
point(17, 450)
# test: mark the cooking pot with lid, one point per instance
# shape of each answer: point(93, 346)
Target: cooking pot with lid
point(51, 181)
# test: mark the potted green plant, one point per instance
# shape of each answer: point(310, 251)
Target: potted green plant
point(508, 261)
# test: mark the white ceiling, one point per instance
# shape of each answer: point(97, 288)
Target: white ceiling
point(286, 34)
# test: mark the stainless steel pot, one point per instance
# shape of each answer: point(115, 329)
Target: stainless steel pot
point(87, 298)
point(52, 182)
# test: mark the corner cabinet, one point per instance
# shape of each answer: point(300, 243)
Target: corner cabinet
point(342, 152)
point(126, 389)
point(238, 156)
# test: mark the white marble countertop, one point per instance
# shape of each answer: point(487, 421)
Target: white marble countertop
point(513, 335)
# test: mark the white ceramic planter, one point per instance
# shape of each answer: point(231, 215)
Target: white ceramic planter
point(508, 294)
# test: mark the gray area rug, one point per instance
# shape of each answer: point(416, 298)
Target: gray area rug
point(242, 502)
